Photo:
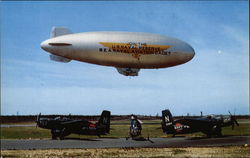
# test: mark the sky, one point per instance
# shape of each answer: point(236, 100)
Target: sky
point(215, 81)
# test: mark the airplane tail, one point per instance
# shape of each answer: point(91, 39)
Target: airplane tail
point(167, 122)
point(104, 122)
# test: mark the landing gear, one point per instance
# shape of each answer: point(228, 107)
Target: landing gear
point(62, 132)
point(61, 137)
point(54, 134)
point(57, 133)
point(209, 135)
point(218, 133)
point(215, 131)
point(54, 137)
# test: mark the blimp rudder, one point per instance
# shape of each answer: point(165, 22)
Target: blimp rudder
point(59, 31)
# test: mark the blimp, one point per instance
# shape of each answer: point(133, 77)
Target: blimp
point(128, 52)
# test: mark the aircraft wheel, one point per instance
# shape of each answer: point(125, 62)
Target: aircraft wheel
point(62, 134)
point(53, 134)
point(61, 138)
point(209, 135)
point(216, 131)
point(54, 137)
point(219, 134)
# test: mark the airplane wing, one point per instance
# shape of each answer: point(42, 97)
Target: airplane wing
point(75, 123)
point(194, 122)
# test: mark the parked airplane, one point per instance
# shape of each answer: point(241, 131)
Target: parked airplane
point(127, 51)
point(61, 127)
point(210, 125)
point(135, 127)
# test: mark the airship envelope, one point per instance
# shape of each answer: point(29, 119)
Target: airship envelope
point(128, 52)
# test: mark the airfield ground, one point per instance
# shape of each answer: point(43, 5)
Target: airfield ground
point(230, 152)
point(121, 131)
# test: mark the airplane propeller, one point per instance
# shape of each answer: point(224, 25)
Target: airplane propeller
point(38, 119)
point(233, 119)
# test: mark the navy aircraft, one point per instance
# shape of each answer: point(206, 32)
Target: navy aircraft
point(135, 127)
point(128, 52)
point(210, 125)
point(61, 126)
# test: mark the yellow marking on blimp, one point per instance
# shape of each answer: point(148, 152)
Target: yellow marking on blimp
point(136, 49)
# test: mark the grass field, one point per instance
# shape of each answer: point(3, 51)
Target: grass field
point(151, 130)
point(216, 152)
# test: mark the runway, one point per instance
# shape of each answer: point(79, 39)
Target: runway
point(123, 143)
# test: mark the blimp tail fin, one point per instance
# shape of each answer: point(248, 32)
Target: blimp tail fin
point(59, 31)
